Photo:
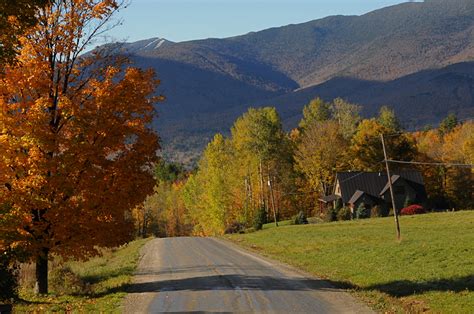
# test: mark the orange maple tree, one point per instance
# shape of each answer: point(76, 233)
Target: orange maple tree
point(75, 139)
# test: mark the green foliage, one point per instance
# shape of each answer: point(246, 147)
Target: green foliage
point(388, 119)
point(169, 172)
point(338, 204)
point(344, 214)
point(207, 194)
point(260, 219)
point(347, 116)
point(316, 111)
point(259, 132)
point(448, 124)
point(301, 219)
point(362, 211)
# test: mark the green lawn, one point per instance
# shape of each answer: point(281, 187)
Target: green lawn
point(280, 223)
point(98, 285)
point(431, 269)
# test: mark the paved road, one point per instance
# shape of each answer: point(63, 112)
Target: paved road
point(210, 275)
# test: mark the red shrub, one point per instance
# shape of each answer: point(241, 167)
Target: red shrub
point(413, 210)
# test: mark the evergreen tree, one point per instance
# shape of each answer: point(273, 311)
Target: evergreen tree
point(448, 124)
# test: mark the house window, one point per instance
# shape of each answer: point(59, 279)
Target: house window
point(399, 190)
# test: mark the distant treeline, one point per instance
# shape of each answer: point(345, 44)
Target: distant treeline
point(261, 172)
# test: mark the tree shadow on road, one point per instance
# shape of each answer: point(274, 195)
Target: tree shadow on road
point(231, 282)
point(403, 288)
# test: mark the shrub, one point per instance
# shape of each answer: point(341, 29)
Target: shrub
point(260, 219)
point(64, 281)
point(301, 219)
point(314, 220)
point(8, 276)
point(362, 212)
point(413, 210)
point(344, 214)
point(235, 227)
point(376, 211)
point(330, 215)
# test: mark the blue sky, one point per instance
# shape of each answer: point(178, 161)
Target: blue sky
point(180, 20)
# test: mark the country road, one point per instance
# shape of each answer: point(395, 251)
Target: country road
point(212, 275)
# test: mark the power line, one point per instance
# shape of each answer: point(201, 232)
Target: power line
point(354, 176)
point(296, 193)
point(432, 163)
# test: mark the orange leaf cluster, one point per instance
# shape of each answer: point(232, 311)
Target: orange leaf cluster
point(75, 138)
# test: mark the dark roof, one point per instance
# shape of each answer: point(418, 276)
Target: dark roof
point(329, 198)
point(415, 182)
point(371, 183)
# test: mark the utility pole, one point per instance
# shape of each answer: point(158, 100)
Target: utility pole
point(273, 200)
point(395, 212)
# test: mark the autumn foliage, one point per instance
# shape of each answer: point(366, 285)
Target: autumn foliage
point(242, 177)
point(16, 16)
point(75, 139)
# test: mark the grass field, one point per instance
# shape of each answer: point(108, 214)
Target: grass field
point(97, 285)
point(431, 269)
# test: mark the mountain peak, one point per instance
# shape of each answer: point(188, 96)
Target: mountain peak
point(372, 59)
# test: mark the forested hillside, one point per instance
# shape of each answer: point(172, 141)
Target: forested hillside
point(413, 56)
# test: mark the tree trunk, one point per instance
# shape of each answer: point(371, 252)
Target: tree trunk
point(42, 272)
point(262, 187)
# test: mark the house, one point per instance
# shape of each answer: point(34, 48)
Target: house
point(372, 188)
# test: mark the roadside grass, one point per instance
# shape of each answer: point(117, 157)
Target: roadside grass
point(311, 220)
point(280, 224)
point(97, 285)
point(431, 269)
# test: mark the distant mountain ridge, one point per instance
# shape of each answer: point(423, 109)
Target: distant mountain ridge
point(414, 56)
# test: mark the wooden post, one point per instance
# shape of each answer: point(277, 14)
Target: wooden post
point(273, 200)
point(395, 212)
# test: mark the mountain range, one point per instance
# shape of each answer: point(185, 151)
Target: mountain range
point(417, 57)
